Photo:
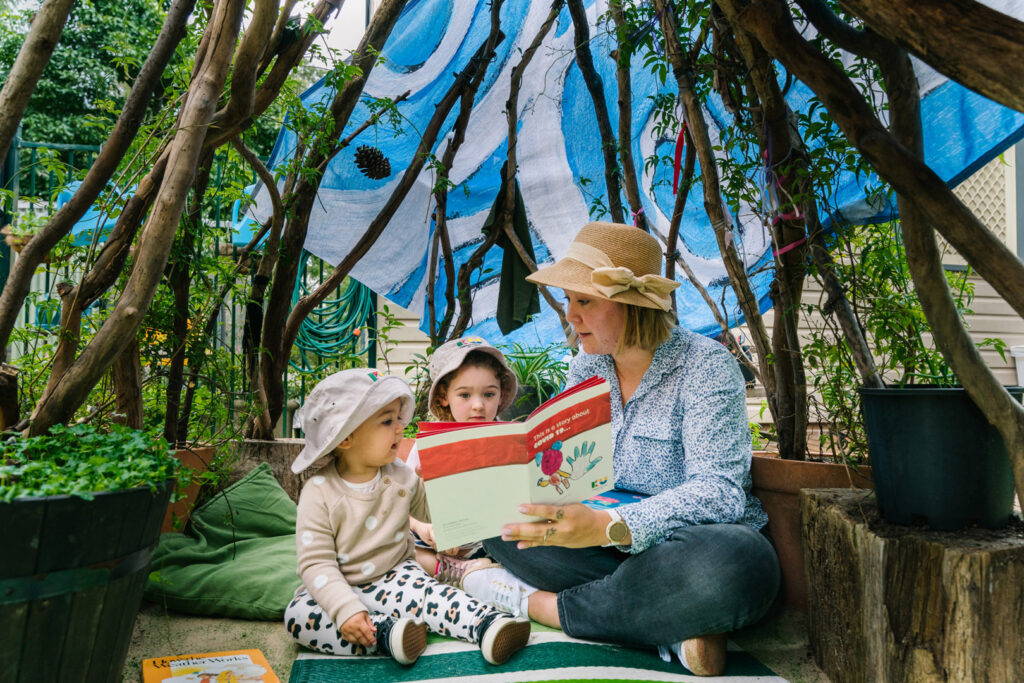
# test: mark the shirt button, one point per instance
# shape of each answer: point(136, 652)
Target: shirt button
point(401, 493)
point(386, 480)
point(384, 513)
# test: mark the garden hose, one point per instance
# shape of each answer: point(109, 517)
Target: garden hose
point(335, 327)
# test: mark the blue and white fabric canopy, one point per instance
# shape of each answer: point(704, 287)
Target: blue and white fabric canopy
point(561, 169)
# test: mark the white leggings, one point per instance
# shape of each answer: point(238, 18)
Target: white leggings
point(405, 591)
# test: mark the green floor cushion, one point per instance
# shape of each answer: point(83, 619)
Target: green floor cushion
point(236, 558)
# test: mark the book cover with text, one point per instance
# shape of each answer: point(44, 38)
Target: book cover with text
point(477, 475)
point(232, 666)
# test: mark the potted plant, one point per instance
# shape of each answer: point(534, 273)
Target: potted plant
point(80, 514)
point(918, 428)
point(937, 460)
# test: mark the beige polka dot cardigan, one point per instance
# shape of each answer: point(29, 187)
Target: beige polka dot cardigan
point(346, 537)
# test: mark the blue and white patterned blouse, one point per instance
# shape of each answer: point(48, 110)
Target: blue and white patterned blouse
point(682, 438)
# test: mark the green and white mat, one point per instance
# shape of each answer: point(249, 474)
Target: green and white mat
point(549, 656)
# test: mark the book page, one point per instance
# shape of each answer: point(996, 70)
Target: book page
point(474, 505)
point(477, 476)
point(571, 443)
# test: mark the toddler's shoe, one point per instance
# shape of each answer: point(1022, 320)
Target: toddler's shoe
point(453, 570)
point(404, 640)
point(502, 636)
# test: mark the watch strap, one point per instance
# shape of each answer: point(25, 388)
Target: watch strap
point(616, 518)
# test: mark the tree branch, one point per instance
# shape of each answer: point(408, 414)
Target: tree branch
point(43, 35)
point(585, 62)
point(983, 52)
point(770, 22)
point(19, 280)
point(155, 242)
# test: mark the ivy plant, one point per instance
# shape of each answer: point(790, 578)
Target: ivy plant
point(82, 460)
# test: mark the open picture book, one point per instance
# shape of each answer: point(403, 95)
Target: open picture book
point(476, 475)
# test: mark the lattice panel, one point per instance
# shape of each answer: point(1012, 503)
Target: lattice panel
point(984, 193)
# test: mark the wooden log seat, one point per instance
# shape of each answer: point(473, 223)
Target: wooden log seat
point(896, 603)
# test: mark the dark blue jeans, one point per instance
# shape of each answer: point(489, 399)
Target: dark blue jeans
point(711, 578)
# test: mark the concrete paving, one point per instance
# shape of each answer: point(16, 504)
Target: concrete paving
point(780, 641)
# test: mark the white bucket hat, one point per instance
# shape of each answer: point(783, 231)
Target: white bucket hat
point(342, 402)
point(449, 357)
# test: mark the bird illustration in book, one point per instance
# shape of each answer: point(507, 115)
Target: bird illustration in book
point(559, 470)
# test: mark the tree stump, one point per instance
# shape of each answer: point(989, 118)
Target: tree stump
point(896, 603)
point(8, 396)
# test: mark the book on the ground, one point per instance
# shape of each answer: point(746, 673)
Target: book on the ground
point(477, 475)
point(233, 666)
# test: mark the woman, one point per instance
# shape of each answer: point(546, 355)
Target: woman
point(687, 564)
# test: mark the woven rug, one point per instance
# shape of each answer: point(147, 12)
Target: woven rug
point(549, 656)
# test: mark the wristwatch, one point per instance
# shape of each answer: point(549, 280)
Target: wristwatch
point(617, 532)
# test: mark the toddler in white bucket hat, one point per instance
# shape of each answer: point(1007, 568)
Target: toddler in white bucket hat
point(363, 592)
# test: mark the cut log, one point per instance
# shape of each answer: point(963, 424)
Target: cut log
point(895, 603)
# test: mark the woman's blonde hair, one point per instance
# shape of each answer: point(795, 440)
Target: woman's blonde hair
point(646, 328)
point(473, 359)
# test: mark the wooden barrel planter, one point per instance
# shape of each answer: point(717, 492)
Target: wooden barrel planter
point(71, 582)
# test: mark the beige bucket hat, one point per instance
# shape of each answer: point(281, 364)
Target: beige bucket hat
point(449, 356)
point(342, 402)
point(612, 261)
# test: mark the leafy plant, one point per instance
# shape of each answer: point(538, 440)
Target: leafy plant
point(877, 279)
point(542, 369)
point(82, 460)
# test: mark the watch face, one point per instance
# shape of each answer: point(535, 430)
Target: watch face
point(617, 532)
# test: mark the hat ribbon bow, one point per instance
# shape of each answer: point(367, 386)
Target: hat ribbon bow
point(609, 279)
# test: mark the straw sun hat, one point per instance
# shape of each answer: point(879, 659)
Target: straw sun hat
point(612, 261)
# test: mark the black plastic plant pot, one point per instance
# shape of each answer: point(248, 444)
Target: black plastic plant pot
point(71, 582)
point(936, 460)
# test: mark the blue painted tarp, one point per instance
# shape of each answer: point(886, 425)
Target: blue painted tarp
point(561, 170)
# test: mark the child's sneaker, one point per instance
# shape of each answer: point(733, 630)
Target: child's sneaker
point(502, 637)
point(499, 588)
point(453, 570)
point(404, 640)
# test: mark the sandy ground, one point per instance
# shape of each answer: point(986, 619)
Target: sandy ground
point(780, 641)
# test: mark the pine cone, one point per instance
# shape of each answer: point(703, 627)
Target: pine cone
point(372, 162)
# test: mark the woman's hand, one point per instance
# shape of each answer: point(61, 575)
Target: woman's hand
point(568, 526)
point(424, 531)
point(359, 629)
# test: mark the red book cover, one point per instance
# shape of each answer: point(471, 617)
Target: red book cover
point(477, 475)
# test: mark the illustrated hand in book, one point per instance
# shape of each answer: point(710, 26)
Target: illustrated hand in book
point(582, 460)
point(557, 472)
point(568, 526)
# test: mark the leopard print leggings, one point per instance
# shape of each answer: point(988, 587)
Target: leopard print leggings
point(405, 591)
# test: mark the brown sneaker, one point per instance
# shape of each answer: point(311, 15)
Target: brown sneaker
point(453, 570)
point(704, 655)
point(403, 639)
point(503, 636)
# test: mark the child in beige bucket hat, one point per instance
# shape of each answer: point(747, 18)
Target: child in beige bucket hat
point(470, 381)
point(363, 592)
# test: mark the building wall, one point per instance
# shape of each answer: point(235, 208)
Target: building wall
point(397, 354)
